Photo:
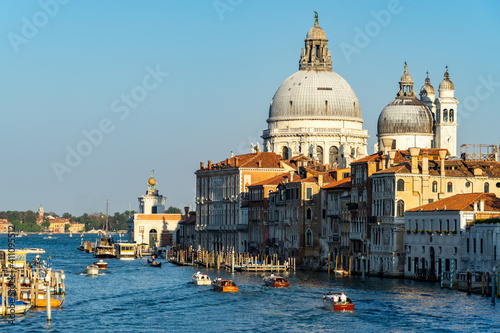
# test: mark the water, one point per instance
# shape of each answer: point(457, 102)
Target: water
point(130, 297)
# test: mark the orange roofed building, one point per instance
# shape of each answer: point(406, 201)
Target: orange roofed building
point(222, 189)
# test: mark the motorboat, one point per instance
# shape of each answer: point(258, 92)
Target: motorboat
point(92, 269)
point(105, 248)
point(276, 281)
point(331, 304)
point(18, 305)
point(42, 299)
point(201, 279)
point(224, 285)
point(101, 264)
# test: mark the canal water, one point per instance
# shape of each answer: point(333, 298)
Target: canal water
point(133, 297)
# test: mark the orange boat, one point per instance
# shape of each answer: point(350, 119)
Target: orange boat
point(276, 281)
point(42, 300)
point(333, 304)
point(224, 285)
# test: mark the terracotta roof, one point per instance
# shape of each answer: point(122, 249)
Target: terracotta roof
point(276, 180)
point(402, 168)
point(155, 217)
point(267, 160)
point(343, 183)
point(462, 202)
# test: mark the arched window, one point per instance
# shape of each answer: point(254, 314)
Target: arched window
point(452, 115)
point(308, 213)
point(449, 187)
point(284, 153)
point(445, 115)
point(486, 187)
point(434, 186)
point(401, 208)
point(309, 238)
point(438, 115)
point(319, 153)
point(401, 185)
point(334, 155)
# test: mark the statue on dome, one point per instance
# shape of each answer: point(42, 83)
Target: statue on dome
point(258, 147)
point(316, 18)
point(252, 147)
point(268, 146)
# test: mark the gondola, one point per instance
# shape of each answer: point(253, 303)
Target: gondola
point(154, 263)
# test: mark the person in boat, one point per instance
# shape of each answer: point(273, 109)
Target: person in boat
point(336, 298)
point(343, 298)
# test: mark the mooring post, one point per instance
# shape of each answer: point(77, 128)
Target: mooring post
point(328, 263)
point(232, 264)
point(47, 296)
point(363, 268)
point(469, 282)
point(493, 287)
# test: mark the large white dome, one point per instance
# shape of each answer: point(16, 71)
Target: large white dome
point(314, 94)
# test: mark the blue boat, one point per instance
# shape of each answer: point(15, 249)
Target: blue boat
point(19, 306)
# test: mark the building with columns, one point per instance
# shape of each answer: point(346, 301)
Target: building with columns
point(315, 112)
point(426, 123)
point(147, 226)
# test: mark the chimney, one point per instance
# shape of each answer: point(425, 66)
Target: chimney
point(481, 205)
point(290, 175)
point(442, 156)
point(227, 161)
point(209, 165)
point(236, 162)
point(258, 150)
point(414, 159)
point(201, 165)
point(320, 180)
point(186, 211)
point(387, 147)
point(259, 162)
point(475, 206)
point(392, 155)
point(425, 162)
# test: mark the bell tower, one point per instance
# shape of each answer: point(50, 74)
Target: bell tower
point(446, 116)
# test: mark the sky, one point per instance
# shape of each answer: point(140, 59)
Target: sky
point(97, 94)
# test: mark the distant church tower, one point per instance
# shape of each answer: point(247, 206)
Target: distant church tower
point(152, 202)
point(446, 116)
point(40, 212)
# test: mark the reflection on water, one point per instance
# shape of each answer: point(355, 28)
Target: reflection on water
point(131, 297)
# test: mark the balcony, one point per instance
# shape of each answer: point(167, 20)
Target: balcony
point(241, 227)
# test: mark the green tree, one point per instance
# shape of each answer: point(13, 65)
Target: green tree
point(173, 210)
point(66, 227)
point(46, 224)
point(66, 215)
point(29, 217)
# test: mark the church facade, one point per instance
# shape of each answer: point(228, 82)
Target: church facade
point(315, 112)
point(428, 122)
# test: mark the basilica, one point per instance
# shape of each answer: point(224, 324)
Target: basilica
point(316, 113)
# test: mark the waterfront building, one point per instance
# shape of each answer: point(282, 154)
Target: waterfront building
point(58, 225)
point(148, 225)
point(222, 189)
point(434, 232)
point(76, 227)
point(186, 233)
point(425, 177)
point(4, 226)
point(336, 227)
point(481, 243)
point(315, 112)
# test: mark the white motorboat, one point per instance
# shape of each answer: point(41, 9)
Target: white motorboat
point(201, 279)
point(18, 305)
point(92, 269)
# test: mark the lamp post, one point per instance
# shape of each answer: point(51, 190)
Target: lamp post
point(493, 287)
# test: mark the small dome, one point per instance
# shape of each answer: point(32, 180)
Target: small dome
point(316, 33)
point(405, 115)
point(427, 88)
point(446, 84)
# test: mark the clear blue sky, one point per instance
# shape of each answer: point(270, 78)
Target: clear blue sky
point(67, 69)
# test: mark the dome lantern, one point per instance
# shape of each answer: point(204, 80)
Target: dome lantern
point(315, 54)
